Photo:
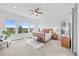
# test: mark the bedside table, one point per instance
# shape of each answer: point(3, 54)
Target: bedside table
point(54, 36)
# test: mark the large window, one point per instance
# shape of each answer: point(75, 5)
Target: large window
point(10, 25)
point(23, 27)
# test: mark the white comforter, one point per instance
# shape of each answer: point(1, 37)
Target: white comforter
point(47, 36)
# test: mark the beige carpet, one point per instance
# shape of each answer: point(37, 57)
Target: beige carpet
point(20, 48)
point(35, 44)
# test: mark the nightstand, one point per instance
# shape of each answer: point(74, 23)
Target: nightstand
point(54, 36)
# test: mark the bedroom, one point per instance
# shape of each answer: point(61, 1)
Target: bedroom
point(39, 25)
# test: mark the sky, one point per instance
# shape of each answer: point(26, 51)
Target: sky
point(24, 24)
point(10, 23)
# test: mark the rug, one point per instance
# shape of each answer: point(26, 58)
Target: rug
point(34, 43)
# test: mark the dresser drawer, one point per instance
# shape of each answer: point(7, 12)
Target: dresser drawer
point(65, 42)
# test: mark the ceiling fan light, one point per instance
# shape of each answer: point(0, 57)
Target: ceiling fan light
point(35, 13)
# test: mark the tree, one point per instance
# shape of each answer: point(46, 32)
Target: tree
point(20, 29)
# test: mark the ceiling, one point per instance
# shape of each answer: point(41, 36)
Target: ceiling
point(52, 12)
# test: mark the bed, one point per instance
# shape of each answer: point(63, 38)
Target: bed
point(43, 36)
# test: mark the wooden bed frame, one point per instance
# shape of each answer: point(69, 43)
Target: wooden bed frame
point(41, 35)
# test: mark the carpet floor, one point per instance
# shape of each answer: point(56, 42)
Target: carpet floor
point(21, 48)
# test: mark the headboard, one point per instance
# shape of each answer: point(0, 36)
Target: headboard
point(47, 30)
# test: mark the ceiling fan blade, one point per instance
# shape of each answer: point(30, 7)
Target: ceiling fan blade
point(31, 10)
point(36, 9)
point(40, 12)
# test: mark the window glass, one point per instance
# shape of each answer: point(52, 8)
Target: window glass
point(23, 27)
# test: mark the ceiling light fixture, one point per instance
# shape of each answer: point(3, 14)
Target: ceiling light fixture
point(35, 13)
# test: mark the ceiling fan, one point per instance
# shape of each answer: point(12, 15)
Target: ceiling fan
point(35, 12)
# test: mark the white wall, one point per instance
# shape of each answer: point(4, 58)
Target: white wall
point(78, 31)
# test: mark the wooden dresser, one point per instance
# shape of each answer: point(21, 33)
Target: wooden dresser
point(65, 42)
